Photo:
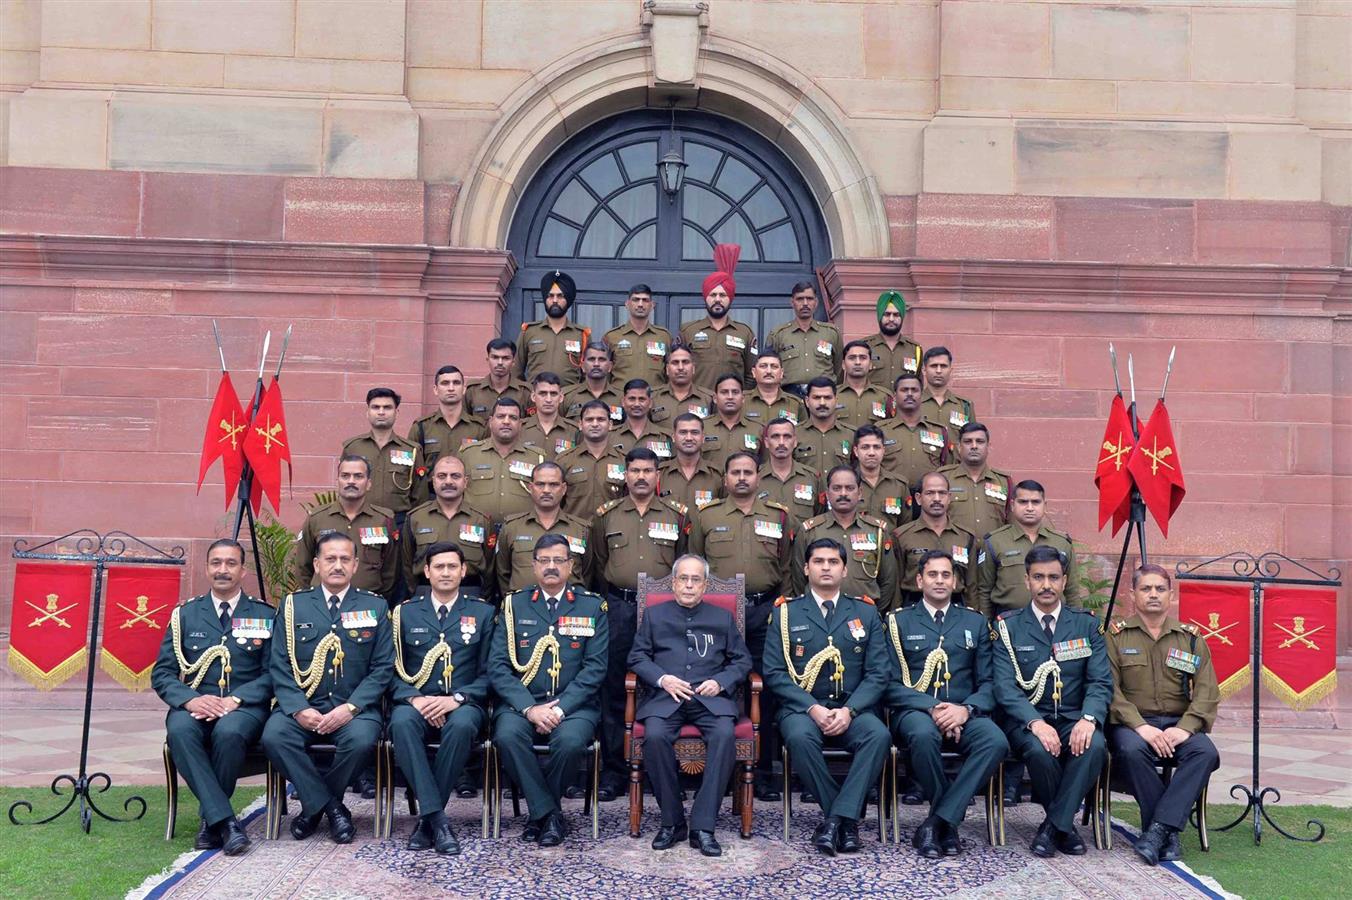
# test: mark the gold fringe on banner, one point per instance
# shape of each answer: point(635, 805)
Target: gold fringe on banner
point(45, 681)
point(1304, 699)
point(132, 681)
point(1236, 682)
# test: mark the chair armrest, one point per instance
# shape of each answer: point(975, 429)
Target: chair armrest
point(757, 685)
point(630, 687)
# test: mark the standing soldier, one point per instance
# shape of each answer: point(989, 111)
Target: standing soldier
point(934, 531)
point(330, 664)
point(824, 442)
point(519, 534)
point(482, 393)
point(826, 666)
point(1164, 703)
point(1053, 684)
point(637, 430)
point(881, 494)
point(892, 353)
point(640, 346)
point(554, 697)
point(999, 561)
point(870, 567)
point(794, 485)
point(769, 400)
point(980, 493)
point(440, 690)
point(808, 348)
point(370, 527)
point(638, 533)
point(860, 401)
point(546, 432)
point(446, 431)
point(689, 479)
point(499, 468)
point(212, 671)
point(593, 470)
point(913, 445)
point(680, 393)
point(553, 344)
point(718, 343)
point(597, 363)
point(729, 430)
point(446, 517)
point(939, 403)
point(392, 459)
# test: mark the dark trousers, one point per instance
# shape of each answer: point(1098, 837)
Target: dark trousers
point(659, 759)
point(622, 614)
point(1059, 784)
point(211, 754)
point(1196, 758)
point(982, 745)
point(757, 625)
point(866, 738)
point(285, 743)
point(432, 782)
point(515, 737)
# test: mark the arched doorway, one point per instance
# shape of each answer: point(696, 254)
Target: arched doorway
point(595, 209)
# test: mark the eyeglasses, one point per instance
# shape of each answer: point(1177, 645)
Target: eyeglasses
point(690, 579)
point(553, 560)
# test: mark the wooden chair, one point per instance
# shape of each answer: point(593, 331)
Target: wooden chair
point(952, 762)
point(590, 787)
point(255, 763)
point(729, 594)
point(321, 753)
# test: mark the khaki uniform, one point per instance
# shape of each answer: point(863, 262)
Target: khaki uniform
point(757, 544)
point(626, 542)
point(496, 484)
point(980, 505)
point(549, 444)
point(870, 566)
point(785, 406)
point(656, 438)
point(871, 406)
point(915, 539)
point(427, 525)
point(579, 394)
point(889, 499)
point(393, 469)
point(889, 363)
point(513, 565)
point(480, 396)
point(540, 349)
point(720, 441)
point(807, 353)
point(591, 480)
point(1000, 584)
point(733, 349)
point(666, 405)
point(953, 413)
point(822, 451)
point(801, 493)
point(434, 438)
point(909, 453)
point(639, 355)
point(695, 492)
point(373, 533)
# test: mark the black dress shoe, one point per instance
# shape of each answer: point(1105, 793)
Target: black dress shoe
point(465, 789)
point(341, 829)
point(233, 839)
point(926, 839)
point(826, 836)
point(913, 797)
point(554, 831)
point(669, 836)
point(704, 842)
point(531, 833)
point(767, 792)
point(366, 786)
point(206, 839)
point(421, 838)
point(573, 792)
point(1044, 842)
point(1011, 795)
point(444, 840)
point(1070, 843)
point(606, 793)
point(847, 838)
point(302, 826)
point(1150, 845)
point(949, 842)
point(1173, 848)
point(807, 796)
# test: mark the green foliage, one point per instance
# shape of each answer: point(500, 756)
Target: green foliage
point(1095, 577)
point(322, 498)
point(275, 545)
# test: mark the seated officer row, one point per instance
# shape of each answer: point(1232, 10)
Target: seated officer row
point(1043, 682)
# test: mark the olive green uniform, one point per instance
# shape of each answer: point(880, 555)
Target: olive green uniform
point(496, 484)
point(807, 353)
point(786, 406)
point(889, 499)
point(801, 493)
point(667, 406)
point(915, 539)
point(889, 363)
point(720, 441)
point(549, 444)
point(371, 530)
point(1000, 569)
point(592, 480)
point(822, 451)
point(980, 505)
point(513, 563)
point(870, 565)
point(575, 397)
point(656, 438)
point(733, 349)
point(540, 348)
point(871, 406)
point(953, 413)
point(695, 492)
point(427, 525)
point(436, 438)
point(480, 395)
point(909, 453)
point(393, 470)
point(639, 355)
point(757, 544)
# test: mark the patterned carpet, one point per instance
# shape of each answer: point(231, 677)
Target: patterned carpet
point(619, 866)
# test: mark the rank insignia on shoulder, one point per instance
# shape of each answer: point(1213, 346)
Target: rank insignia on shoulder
point(1190, 628)
point(780, 601)
point(1116, 627)
point(1007, 613)
point(868, 600)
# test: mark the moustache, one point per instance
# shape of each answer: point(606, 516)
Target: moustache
point(552, 573)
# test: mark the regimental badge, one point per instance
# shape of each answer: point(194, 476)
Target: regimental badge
point(357, 619)
point(957, 419)
point(959, 555)
point(577, 545)
point(473, 534)
point(735, 342)
point(401, 457)
point(373, 536)
point(1184, 662)
point(521, 467)
point(663, 531)
point(657, 348)
point(703, 498)
point(576, 626)
point(857, 629)
point(572, 346)
point(804, 492)
point(1075, 648)
point(996, 492)
point(772, 530)
point(614, 471)
point(824, 348)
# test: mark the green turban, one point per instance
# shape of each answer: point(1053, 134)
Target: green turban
point(891, 298)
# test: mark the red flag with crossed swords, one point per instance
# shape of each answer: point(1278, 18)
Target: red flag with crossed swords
point(1300, 660)
point(1223, 615)
point(49, 625)
point(1155, 466)
point(224, 438)
point(1111, 476)
point(140, 601)
point(267, 446)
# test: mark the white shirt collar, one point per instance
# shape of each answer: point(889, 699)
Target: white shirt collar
point(934, 609)
point(341, 595)
point(233, 602)
point(1055, 614)
point(437, 605)
point(821, 600)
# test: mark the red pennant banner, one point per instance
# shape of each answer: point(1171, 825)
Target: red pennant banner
point(267, 447)
point(139, 601)
point(224, 438)
point(49, 627)
point(1111, 476)
point(1155, 466)
point(1223, 613)
point(1300, 628)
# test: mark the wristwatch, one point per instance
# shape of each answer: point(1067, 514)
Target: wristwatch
point(353, 708)
point(971, 710)
point(1088, 717)
point(458, 697)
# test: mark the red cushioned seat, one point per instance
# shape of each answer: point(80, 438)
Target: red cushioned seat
point(741, 731)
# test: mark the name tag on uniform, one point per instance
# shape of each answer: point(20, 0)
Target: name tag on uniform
point(251, 628)
point(750, 441)
point(401, 457)
point(915, 637)
point(474, 534)
point(522, 468)
point(797, 628)
point(957, 419)
point(703, 498)
point(1028, 649)
point(804, 492)
point(931, 438)
point(373, 536)
point(769, 529)
point(892, 506)
point(663, 531)
point(735, 342)
point(996, 493)
point(614, 472)
point(577, 626)
point(360, 618)
point(857, 629)
point(657, 348)
point(879, 410)
point(572, 346)
point(577, 545)
point(1076, 648)
point(863, 542)
point(824, 348)
point(426, 531)
point(1130, 651)
point(959, 555)
point(418, 630)
point(1184, 662)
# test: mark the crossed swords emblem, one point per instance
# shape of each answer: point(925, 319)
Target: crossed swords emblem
point(52, 613)
point(1116, 451)
point(1214, 629)
point(140, 613)
point(230, 432)
point(1157, 456)
point(1298, 634)
point(269, 434)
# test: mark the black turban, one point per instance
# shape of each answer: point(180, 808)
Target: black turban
point(563, 280)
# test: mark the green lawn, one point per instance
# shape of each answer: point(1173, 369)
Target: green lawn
point(60, 860)
point(1276, 869)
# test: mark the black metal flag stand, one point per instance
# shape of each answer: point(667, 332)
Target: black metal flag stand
point(102, 550)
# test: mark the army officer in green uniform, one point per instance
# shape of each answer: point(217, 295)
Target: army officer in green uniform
point(1000, 584)
point(212, 671)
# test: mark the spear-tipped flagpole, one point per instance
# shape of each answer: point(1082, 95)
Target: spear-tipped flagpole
point(246, 474)
point(1112, 354)
point(219, 348)
point(1168, 370)
point(286, 339)
point(1131, 380)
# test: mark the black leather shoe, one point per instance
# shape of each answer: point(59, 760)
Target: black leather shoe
point(826, 836)
point(807, 797)
point(606, 793)
point(1044, 842)
point(767, 792)
point(421, 838)
point(1011, 795)
point(1173, 848)
point(444, 840)
point(913, 797)
point(302, 826)
point(847, 838)
point(465, 789)
point(531, 833)
point(949, 842)
point(573, 792)
point(1070, 842)
point(206, 839)
point(669, 836)
point(341, 829)
point(926, 839)
point(1150, 845)
point(366, 786)
point(554, 831)
point(233, 839)
point(704, 842)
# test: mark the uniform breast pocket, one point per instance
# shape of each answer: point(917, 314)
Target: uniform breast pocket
point(789, 352)
point(624, 350)
point(720, 545)
point(482, 477)
point(1135, 672)
point(916, 649)
point(616, 540)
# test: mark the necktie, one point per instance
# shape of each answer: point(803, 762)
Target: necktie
point(333, 607)
point(828, 608)
point(1047, 621)
point(225, 617)
point(552, 604)
point(441, 613)
point(939, 620)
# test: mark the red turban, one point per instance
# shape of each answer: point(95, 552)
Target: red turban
point(725, 257)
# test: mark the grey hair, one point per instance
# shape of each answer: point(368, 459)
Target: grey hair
point(699, 559)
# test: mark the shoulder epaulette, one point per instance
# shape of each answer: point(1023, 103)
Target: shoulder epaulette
point(781, 600)
point(676, 505)
point(775, 504)
point(1190, 628)
point(872, 520)
point(1007, 613)
point(809, 524)
point(381, 511)
point(868, 600)
point(711, 504)
point(608, 506)
point(1080, 609)
point(421, 506)
point(512, 518)
point(1116, 627)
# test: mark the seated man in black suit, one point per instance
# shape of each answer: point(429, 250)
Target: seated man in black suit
point(692, 658)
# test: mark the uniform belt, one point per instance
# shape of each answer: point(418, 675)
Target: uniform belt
point(624, 595)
